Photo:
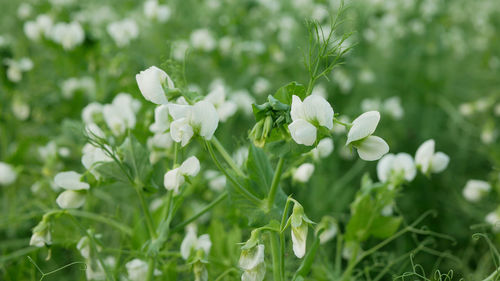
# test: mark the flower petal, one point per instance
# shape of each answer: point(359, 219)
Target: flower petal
point(363, 126)
point(372, 148)
point(439, 162)
point(302, 132)
point(316, 108)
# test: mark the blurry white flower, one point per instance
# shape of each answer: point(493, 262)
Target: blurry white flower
point(90, 112)
point(343, 80)
point(70, 180)
point(314, 111)
point(70, 199)
point(217, 97)
point(466, 109)
point(330, 229)
point(155, 11)
point(173, 179)
point(261, 86)
point(17, 67)
point(42, 26)
point(366, 76)
point(192, 243)
point(24, 10)
point(216, 180)
point(396, 166)
point(92, 156)
point(494, 219)
point(240, 156)
point(41, 235)
point(161, 123)
point(137, 269)
point(497, 109)
point(393, 107)
point(68, 35)
point(200, 118)
point(324, 148)
point(300, 226)
point(20, 109)
point(179, 49)
point(369, 147)
point(303, 173)
point(48, 151)
point(123, 31)
point(475, 189)
point(243, 101)
point(319, 90)
point(7, 174)
point(429, 161)
point(370, 104)
point(94, 131)
point(203, 39)
point(94, 269)
point(488, 135)
point(151, 82)
point(120, 114)
point(72, 85)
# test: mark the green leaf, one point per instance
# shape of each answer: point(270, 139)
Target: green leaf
point(285, 93)
point(259, 170)
point(111, 170)
point(136, 157)
point(384, 227)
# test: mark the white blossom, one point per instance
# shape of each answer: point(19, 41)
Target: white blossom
point(155, 11)
point(324, 148)
point(17, 67)
point(369, 147)
point(137, 270)
point(399, 165)
point(70, 199)
point(300, 227)
point(203, 39)
point(68, 35)
point(303, 173)
point(42, 26)
point(252, 262)
point(475, 189)
point(123, 31)
point(151, 83)
point(200, 118)
point(306, 116)
point(494, 219)
point(70, 180)
point(8, 174)
point(120, 114)
point(173, 179)
point(217, 97)
point(161, 123)
point(429, 161)
point(192, 243)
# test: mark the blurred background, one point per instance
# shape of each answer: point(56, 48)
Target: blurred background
point(431, 67)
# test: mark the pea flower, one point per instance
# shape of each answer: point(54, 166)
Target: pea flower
point(192, 243)
point(173, 179)
point(68, 35)
point(307, 115)
point(154, 11)
point(137, 269)
point(252, 262)
point(400, 165)
point(151, 82)
point(41, 234)
point(200, 118)
point(323, 150)
point(429, 161)
point(300, 225)
point(369, 147)
point(475, 189)
point(330, 228)
point(120, 114)
point(161, 123)
point(42, 26)
point(494, 219)
point(17, 67)
point(7, 174)
point(303, 173)
point(203, 39)
point(123, 31)
point(91, 112)
point(217, 97)
point(73, 196)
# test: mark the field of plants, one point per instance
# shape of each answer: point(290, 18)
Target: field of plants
point(250, 140)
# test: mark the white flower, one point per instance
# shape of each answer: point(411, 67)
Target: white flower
point(17, 67)
point(70, 199)
point(70, 180)
point(428, 161)
point(154, 11)
point(7, 174)
point(494, 219)
point(42, 26)
point(320, 90)
point(475, 189)
point(393, 107)
point(261, 86)
point(202, 39)
point(90, 112)
point(299, 225)
point(24, 10)
point(173, 179)
point(137, 269)
point(399, 165)
point(306, 116)
point(69, 35)
point(92, 156)
point(243, 101)
point(369, 147)
point(40, 239)
point(200, 118)
point(216, 181)
point(160, 140)
point(151, 82)
point(20, 109)
point(324, 148)
point(192, 243)
point(330, 228)
point(217, 97)
point(120, 114)
point(252, 262)
point(161, 123)
point(123, 31)
point(83, 246)
point(303, 172)
point(70, 86)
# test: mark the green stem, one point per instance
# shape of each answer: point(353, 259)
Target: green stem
point(83, 214)
point(216, 201)
point(275, 256)
point(226, 156)
point(274, 184)
point(282, 238)
point(145, 210)
point(151, 268)
point(242, 190)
